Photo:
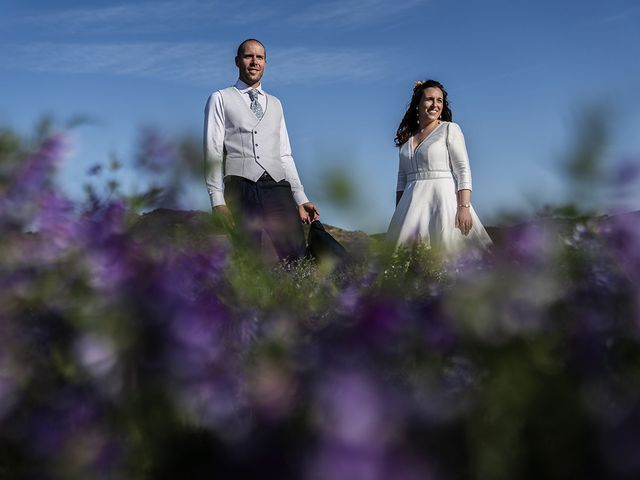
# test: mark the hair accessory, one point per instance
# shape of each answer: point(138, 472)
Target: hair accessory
point(418, 84)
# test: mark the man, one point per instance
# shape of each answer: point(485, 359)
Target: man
point(250, 174)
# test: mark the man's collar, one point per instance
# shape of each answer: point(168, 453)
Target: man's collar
point(243, 87)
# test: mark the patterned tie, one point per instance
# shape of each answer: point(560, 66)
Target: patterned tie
point(255, 105)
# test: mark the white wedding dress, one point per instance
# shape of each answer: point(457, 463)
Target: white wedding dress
point(430, 176)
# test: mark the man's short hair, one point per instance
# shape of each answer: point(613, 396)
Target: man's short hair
point(241, 47)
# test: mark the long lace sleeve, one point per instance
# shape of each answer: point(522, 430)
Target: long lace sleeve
point(459, 157)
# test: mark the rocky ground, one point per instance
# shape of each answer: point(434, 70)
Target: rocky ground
point(194, 227)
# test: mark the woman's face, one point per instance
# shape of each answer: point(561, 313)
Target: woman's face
point(430, 106)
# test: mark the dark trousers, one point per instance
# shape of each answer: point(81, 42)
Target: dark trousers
point(266, 206)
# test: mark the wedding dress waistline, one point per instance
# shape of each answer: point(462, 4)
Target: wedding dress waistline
point(429, 175)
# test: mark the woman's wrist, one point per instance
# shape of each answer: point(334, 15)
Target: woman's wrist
point(464, 205)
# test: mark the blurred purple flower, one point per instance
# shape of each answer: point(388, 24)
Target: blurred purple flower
point(56, 220)
point(380, 315)
point(446, 394)
point(191, 273)
point(348, 300)
point(625, 173)
point(38, 169)
point(621, 444)
point(97, 354)
point(109, 251)
point(622, 235)
point(104, 221)
point(360, 427)
point(608, 402)
point(339, 462)
point(353, 411)
point(71, 431)
point(8, 389)
point(95, 170)
point(531, 244)
point(437, 326)
point(110, 266)
point(155, 154)
point(470, 262)
point(220, 402)
point(19, 201)
point(197, 340)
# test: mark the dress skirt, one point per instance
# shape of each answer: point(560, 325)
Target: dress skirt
point(426, 214)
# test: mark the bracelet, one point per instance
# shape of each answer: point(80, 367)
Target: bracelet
point(465, 205)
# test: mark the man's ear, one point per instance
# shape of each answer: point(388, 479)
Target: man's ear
point(237, 62)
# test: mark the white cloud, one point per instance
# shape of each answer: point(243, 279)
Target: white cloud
point(354, 12)
point(170, 16)
point(615, 17)
point(298, 65)
point(150, 17)
point(197, 63)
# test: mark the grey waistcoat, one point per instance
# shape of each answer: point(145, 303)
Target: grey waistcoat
point(251, 146)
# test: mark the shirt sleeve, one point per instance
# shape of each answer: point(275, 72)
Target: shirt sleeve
point(290, 171)
point(402, 175)
point(214, 148)
point(459, 157)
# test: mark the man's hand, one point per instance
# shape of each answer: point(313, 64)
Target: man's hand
point(308, 212)
point(223, 215)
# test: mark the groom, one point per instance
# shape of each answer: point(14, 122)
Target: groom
point(250, 174)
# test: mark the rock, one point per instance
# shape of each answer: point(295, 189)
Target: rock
point(194, 228)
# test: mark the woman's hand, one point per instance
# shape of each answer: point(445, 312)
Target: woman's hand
point(463, 220)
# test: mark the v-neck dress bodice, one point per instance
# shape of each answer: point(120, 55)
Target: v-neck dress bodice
point(429, 175)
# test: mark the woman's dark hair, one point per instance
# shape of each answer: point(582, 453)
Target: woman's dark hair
point(409, 124)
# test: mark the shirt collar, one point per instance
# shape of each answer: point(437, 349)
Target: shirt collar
point(244, 88)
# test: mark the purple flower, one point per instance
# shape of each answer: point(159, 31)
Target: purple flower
point(56, 221)
point(94, 170)
point(38, 169)
point(531, 244)
point(435, 324)
point(445, 394)
point(101, 223)
point(622, 235)
point(347, 463)
point(198, 341)
point(348, 300)
point(97, 354)
point(621, 444)
point(626, 173)
point(109, 265)
point(8, 388)
point(71, 432)
point(339, 462)
point(109, 251)
point(353, 411)
point(219, 402)
point(154, 153)
point(360, 430)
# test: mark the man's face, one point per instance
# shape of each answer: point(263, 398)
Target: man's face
point(251, 63)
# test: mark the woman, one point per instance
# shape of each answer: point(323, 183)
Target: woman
point(433, 197)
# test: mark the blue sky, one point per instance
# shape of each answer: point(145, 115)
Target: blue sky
point(517, 72)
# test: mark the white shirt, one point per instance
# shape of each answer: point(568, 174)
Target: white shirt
point(214, 147)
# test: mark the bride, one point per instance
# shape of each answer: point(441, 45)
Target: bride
point(433, 196)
